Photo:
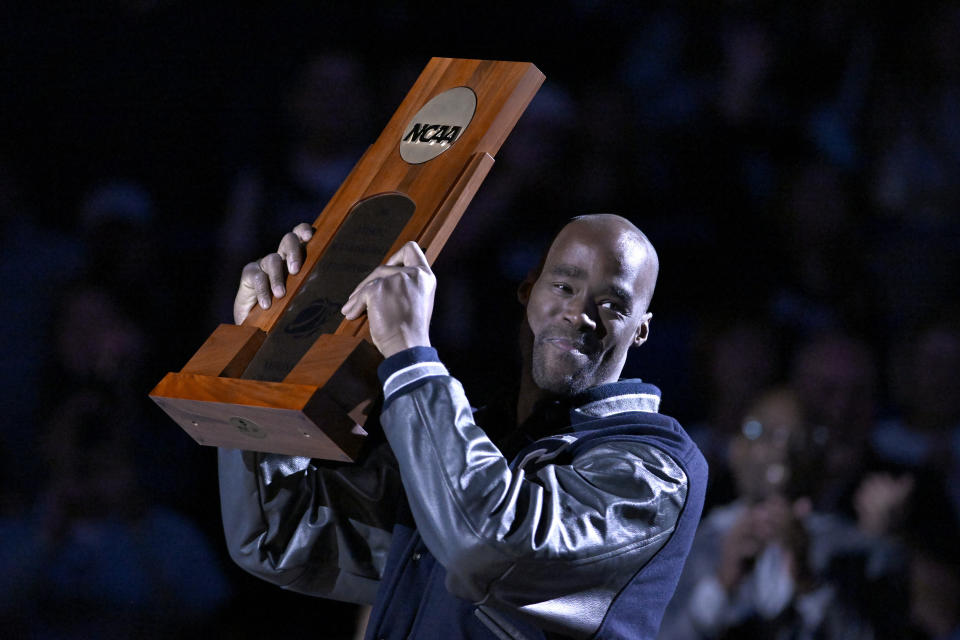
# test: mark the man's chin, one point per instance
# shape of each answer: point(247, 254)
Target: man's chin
point(561, 373)
point(562, 384)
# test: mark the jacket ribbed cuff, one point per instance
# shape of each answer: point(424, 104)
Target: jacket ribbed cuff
point(408, 369)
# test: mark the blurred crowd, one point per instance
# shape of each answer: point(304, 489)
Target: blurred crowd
point(792, 164)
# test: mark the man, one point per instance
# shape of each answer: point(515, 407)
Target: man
point(581, 532)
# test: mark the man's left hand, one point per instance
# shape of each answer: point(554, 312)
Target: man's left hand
point(398, 299)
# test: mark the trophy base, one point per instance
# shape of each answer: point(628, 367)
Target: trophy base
point(297, 416)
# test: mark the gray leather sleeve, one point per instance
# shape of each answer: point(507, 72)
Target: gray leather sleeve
point(555, 544)
point(315, 527)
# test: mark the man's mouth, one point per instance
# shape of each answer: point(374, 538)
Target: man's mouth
point(565, 344)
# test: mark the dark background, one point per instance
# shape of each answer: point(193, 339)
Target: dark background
point(794, 165)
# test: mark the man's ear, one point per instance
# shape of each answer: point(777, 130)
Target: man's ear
point(523, 291)
point(643, 330)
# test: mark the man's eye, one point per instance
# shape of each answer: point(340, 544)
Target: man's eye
point(612, 305)
point(563, 286)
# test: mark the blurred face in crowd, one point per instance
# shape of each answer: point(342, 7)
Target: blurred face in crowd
point(588, 305)
point(92, 470)
point(936, 390)
point(835, 379)
point(328, 97)
point(761, 454)
point(743, 362)
point(934, 594)
point(96, 340)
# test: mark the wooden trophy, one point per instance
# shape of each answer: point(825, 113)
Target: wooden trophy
point(298, 378)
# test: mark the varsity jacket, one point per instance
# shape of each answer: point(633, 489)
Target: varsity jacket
point(582, 534)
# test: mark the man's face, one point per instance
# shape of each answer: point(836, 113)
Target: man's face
point(586, 308)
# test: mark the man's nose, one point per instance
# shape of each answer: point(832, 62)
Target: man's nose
point(581, 313)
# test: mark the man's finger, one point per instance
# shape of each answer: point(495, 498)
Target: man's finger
point(357, 302)
point(303, 231)
point(409, 255)
point(273, 266)
point(261, 285)
point(382, 271)
point(408, 259)
point(246, 293)
point(354, 307)
point(254, 282)
point(291, 250)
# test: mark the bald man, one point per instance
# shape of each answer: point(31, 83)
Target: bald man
point(576, 525)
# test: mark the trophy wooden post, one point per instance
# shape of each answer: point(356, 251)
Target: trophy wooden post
point(297, 378)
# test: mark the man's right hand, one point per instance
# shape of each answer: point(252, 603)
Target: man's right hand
point(260, 281)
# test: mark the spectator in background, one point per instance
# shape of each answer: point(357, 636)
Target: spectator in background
point(32, 273)
point(911, 511)
point(822, 283)
point(769, 564)
point(926, 388)
point(934, 563)
point(741, 360)
point(935, 590)
point(96, 341)
point(913, 137)
point(834, 375)
point(95, 558)
point(121, 250)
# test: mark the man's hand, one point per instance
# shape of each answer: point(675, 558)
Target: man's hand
point(881, 502)
point(774, 520)
point(740, 548)
point(398, 300)
point(265, 278)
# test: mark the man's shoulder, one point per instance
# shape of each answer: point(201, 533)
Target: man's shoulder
point(645, 428)
point(651, 425)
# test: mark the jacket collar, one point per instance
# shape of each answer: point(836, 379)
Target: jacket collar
point(563, 415)
point(614, 398)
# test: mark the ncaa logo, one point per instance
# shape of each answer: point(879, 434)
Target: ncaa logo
point(437, 125)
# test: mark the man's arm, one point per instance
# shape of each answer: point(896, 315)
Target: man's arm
point(317, 527)
point(311, 526)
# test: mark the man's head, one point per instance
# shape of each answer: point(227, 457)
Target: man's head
point(587, 304)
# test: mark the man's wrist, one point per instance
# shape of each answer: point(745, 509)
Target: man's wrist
point(408, 369)
point(402, 343)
